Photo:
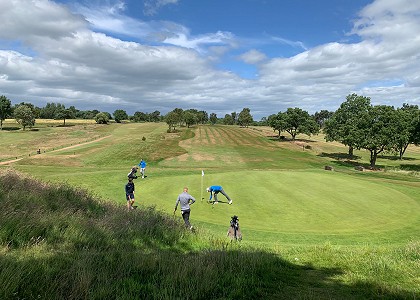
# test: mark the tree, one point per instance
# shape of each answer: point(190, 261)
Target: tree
point(102, 118)
point(154, 116)
point(179, 114)
point(120, 115)
point(244, 118)
point(189, 118)
point(35, 110)
point(49, 111)
point(202, 117)
point(171, 119)
point(263, 122)
point(344, 125)
point(24, 116)
point(108, 114)
point(65, 114)
point(228, 120)
point(277, 122)
point(74, 111)
point(140, 116)
point(5, 109)
point(234, 117)
point(322, 116)
point(213, 118)
point(379, 129)
point(297, 121)
point(407, 119)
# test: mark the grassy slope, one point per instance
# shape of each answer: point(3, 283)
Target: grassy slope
point(82, 248)
point(280, 191)
point(286, 208)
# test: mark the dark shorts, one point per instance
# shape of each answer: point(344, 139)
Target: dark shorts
point(129, 196)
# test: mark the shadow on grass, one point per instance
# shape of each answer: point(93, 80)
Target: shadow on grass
point(395, 157)
point(168, 274)
point(61, 243)
point(354, 164)
point(11, 128)
point(67, 125)
point(343, 159)
point(409, 167)
point(283, 138)
point(339, 156)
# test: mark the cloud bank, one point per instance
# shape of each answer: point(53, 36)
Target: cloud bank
point(99, 58)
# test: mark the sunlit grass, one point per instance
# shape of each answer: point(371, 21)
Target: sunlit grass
point(308, 233)
point(82, 247)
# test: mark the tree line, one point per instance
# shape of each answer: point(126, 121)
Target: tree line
point(26, 114)
point(376, 128)
point(356, 123)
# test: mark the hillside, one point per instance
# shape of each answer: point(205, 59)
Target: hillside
point(308, 233)
point(63, 243)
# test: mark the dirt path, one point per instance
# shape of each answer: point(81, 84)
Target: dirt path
point(61, 149)
point(81, 144)
point(9, 161)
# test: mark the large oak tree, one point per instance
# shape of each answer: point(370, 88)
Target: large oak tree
point(295, 121)
point(344, 125)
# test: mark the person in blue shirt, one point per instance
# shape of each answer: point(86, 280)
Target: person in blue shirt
point(214, 190)
point(142, 165)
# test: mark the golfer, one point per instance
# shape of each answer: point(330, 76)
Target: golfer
point(129, 193)
point(186, 200)
point(132, 174)
point(142, 165)
point(214, 190)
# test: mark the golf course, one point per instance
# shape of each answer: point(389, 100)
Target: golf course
point(308, 232)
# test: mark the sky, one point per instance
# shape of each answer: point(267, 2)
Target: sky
point(215, 55)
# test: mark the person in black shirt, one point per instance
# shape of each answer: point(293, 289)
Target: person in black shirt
point(129, 193)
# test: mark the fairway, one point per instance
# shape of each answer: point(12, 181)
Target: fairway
point(280, 192)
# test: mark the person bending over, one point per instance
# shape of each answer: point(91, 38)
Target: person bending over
point(214, 190)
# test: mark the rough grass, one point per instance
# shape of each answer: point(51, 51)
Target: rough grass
point(47, 136)
point(58, 242)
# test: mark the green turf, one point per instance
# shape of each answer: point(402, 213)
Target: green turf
point(341, 234)
point(281, 192)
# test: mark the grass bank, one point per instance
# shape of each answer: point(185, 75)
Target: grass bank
point(58, 242)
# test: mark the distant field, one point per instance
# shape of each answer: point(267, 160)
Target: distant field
point(46, 135)
point(281, 191)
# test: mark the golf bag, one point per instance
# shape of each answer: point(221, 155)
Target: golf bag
point(234, 232)
point(132, 174)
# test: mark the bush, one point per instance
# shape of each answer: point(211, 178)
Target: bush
point(102, 118)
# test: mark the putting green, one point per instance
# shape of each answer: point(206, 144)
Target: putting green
point(293, 202)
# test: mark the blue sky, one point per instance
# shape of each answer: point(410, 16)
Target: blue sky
point(218, 56)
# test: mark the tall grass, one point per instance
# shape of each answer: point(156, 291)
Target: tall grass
point(58, 242)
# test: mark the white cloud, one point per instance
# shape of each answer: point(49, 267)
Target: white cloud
point(79, 64)
point(388, 52)
point(27, 20)
point(110, 18)
point(152, 6)
point(253, 57)
point(296, 44)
